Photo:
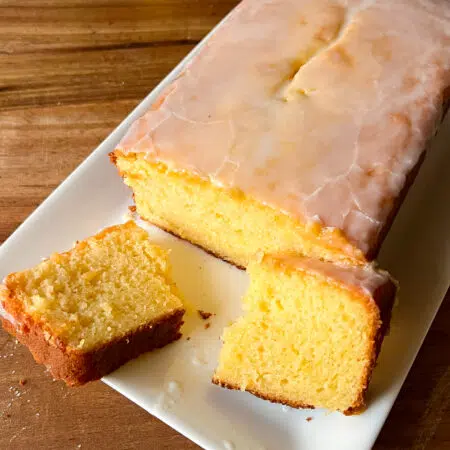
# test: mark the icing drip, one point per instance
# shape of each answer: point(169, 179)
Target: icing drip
point(364, 278)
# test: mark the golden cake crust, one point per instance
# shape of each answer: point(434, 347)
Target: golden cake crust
point(74, 365)
point(258, 394)
point(77, 367)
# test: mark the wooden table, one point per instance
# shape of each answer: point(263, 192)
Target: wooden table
point(70, 71)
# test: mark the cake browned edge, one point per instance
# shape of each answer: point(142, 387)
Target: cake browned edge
point(77, 367)
point(383, 300)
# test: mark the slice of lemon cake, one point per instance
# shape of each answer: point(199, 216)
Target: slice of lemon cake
point(85, 312)
point(297, 127)
point(310, 335)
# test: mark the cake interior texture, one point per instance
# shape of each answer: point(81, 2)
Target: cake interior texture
point(224, 221)
point(100, 291)
point(306, 339)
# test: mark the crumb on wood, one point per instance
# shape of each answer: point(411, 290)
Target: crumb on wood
point(207, 325)
point(203, 314)
point(308, 419)
point(23, 381)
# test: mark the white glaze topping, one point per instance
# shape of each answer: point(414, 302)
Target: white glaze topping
point(318, 108)
point(367, 279)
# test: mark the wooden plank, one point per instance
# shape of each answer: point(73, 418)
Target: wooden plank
point(84, 76)
point(87, 4)
point(39, 147)
point(61, 26)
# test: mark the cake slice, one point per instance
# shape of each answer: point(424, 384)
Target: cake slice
point(310, 335)
point(299, 127)
point(85, 312)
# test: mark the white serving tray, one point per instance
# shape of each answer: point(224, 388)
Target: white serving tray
point(174, 383)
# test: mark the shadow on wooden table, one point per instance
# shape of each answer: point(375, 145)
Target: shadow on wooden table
point(417, 416)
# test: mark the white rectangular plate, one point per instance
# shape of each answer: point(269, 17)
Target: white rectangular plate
point(174, 383)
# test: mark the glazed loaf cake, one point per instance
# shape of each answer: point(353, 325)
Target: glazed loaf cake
point(297, 130)
point(85, 312)
point(298, 127)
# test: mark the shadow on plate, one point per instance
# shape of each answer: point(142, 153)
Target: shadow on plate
point(417, 253)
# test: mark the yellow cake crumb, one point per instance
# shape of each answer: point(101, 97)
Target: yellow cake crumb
point(105, 287)
point(304, 340)
point(224, 221)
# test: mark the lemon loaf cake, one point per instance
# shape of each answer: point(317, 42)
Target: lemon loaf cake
point(310, 335)
point(85, 312)
point(297, 127)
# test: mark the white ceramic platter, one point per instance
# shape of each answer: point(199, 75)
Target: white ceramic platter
point(174, 383)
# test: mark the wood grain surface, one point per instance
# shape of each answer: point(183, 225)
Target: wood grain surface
point(70, 71)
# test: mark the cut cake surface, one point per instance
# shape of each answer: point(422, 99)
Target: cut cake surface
point(85, 312)
point(310, 334)
point(296, 128)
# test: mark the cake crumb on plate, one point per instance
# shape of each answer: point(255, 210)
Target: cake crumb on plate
point(203, 314)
